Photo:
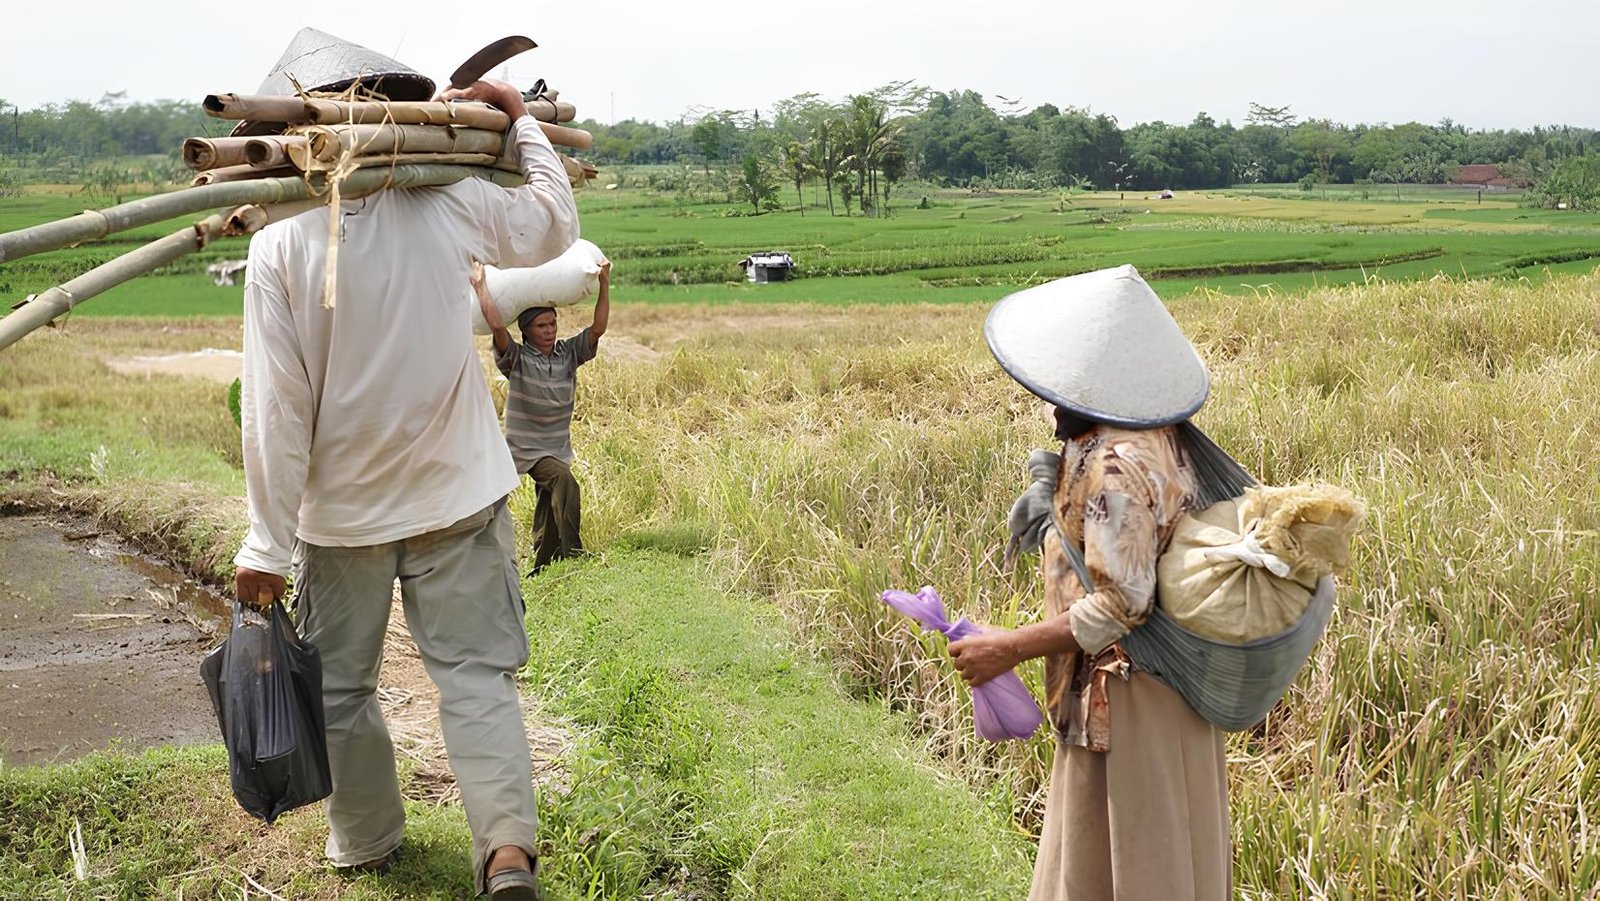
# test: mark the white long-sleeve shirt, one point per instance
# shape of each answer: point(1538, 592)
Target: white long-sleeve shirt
point(371, 422)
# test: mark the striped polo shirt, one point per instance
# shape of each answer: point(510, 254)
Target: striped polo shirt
point(539, 403)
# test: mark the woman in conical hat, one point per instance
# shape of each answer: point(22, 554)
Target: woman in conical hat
point(1137, 806)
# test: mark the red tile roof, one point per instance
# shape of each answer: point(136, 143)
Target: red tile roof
point(1479, 174)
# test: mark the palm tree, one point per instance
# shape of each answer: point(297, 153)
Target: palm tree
point(796, 161)
point(822, 153)
point(870, 135)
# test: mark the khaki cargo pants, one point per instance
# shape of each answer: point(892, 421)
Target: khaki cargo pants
point(463, 607)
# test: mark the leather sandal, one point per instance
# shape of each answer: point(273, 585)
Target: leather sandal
point(514, 885)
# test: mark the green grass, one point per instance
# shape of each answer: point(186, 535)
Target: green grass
point(28, 209)
point(778, 786)
point(1522, 216)
point(1376, 193)
point(164, 824)
point(169, 297)
point(179, 289)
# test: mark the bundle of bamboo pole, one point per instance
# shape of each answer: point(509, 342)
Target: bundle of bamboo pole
point(321, 134)
point(328, 148)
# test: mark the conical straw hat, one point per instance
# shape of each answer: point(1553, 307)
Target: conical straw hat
point(1102, 345)
point(321, 62)
point(318, 61)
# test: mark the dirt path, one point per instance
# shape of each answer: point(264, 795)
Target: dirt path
point(100, 646)
point(411, 706)
point(214, 364)
point(224, 365)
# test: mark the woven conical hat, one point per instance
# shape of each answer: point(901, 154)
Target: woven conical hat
point(1102, 345)
point(318, 61)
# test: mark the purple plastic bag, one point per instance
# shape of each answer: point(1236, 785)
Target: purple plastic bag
point(1002, 708)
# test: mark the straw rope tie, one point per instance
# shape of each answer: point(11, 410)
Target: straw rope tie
point(342, 169)
point(330, 262)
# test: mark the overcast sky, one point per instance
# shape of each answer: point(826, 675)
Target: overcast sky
point(1483, 64)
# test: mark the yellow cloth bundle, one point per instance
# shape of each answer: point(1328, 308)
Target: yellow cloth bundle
point(1245, 568)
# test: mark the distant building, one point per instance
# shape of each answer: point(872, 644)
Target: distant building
point(767, 266)
point(1481, 175)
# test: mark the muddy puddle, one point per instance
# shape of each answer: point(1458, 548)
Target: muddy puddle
point(98, 645)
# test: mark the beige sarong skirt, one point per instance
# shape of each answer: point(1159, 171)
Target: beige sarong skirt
point(1146, 820)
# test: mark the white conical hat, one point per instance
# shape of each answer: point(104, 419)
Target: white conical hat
point(1102, 345)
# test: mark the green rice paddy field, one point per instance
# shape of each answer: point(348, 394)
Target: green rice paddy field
point(957, 246)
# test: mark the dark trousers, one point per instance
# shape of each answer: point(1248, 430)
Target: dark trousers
point(557, 513)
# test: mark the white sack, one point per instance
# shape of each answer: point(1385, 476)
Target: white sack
point(563, 281)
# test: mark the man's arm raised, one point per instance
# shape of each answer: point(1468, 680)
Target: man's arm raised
point(491, 313)
point(602, 305)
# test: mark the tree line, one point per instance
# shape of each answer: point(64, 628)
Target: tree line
point(859, 148)
point(870, 141)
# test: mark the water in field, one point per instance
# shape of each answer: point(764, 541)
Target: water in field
point(98, 646)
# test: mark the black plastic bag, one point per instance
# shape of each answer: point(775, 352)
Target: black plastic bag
point(266, 687)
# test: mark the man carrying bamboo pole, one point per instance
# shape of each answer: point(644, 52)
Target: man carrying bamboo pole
point(372, 453)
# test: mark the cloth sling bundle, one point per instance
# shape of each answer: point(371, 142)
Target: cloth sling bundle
point(1231, 684)
point(1245, 568)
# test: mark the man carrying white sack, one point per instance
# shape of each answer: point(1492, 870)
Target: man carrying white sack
point(372, 453)
point(543, 373)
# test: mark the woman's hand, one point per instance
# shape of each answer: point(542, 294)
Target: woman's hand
point(990, 653)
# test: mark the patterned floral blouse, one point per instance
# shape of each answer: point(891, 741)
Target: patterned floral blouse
point(1119, 495)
